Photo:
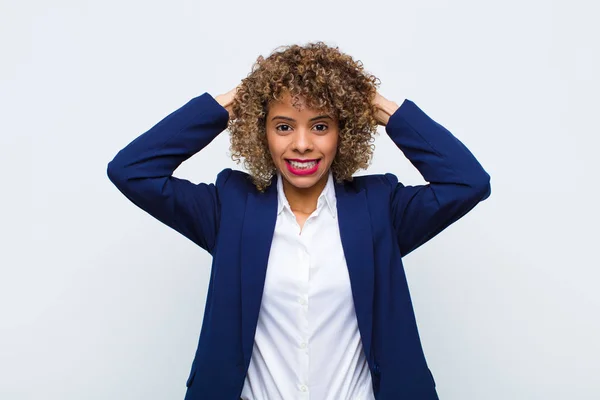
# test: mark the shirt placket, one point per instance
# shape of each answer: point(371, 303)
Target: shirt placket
point(303, 258)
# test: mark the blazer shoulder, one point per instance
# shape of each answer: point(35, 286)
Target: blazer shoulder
point(234, 182)
point(374, 182)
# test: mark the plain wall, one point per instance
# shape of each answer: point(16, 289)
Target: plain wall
point(98, 300)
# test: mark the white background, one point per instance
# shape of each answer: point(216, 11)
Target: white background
point(98, 300)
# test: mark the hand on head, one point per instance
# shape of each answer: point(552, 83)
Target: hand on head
point(226, 99)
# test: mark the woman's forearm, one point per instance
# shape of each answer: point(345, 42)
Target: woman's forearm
point(438, 155)
point(159, 151)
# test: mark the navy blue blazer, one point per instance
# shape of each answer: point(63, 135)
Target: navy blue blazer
point(380, 220)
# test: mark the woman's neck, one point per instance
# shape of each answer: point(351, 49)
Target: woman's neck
point(304, 200)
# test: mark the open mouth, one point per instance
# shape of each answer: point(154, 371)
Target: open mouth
point(303, 167)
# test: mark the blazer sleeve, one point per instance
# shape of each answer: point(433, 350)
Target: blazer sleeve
point(457, 181)
point(143, 170)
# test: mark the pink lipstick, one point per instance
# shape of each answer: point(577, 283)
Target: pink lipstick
point(302, 167)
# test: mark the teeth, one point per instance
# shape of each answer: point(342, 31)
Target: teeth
point(303, 165)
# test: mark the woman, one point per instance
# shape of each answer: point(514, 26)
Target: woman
point(307, 295)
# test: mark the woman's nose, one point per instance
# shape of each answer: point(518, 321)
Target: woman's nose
point(302, 140)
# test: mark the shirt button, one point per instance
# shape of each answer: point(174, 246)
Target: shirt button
point(301, 301)
point(303, 388)
point(303, 345)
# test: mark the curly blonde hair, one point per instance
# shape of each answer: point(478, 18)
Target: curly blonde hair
point(327, 80)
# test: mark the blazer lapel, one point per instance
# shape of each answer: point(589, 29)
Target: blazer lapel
point(257, 234)
point(357, 241)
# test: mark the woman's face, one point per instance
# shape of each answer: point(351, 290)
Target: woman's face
point(303, 143)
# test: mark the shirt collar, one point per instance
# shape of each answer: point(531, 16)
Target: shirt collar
point(327, 196)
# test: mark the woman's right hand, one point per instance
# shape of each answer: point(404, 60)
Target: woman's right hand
point(226, 99)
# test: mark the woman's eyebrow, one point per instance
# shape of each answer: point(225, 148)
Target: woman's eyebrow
point(293, 120)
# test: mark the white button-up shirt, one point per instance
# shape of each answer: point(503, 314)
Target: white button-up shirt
point(307, 343)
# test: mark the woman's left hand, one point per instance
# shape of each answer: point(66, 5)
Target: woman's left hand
point(385, 108)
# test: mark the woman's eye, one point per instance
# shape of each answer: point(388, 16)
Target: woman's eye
point(323, 129)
